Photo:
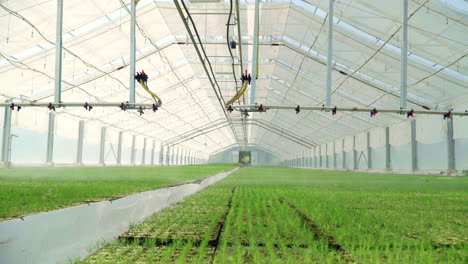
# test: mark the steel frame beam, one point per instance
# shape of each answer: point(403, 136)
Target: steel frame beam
point(119, 148)
point(58, 53)
point(79, 151)
point(102, 149)
point(50, 138)
point(414, 146)
point(6, 137)
point(451, 166)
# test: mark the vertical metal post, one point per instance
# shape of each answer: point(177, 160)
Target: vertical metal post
point(343, 153)
point(329, 53)
point(177, 157)
point(119, 148)
point(334, 154)
point(132, 155)
point(143, 155)
point(79, 151)
point(315, 157)
point(102, 150)
point(450, 146)
point(414, 146)
point(255, 53)
point(152, 152)
point(6, 137)
point(388, 159)
point(161, 154)
point(404, 57)
point(355, 159)
point(50, 138)
point(369, 152)
point(326, 156)
point(132, 50)
point(168, 155)
point(320, 155)
point(58, 53)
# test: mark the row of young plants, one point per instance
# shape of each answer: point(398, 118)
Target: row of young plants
point(389, 226)
point(282, 215)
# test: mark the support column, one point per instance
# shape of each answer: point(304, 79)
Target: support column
point(369, 152)
point(79, 149)
point(343, 153)
point(451, 166)
point(102, 149)
point(58, 53)
point(404, 57)
point(329, 55)
point(320, 155)
point(152, 152)
point(6, 137)
point(168, 155)
point(50, 138)
point(355, 159)
point(315, 157)
point(119, 148)
point(132, 51)
point(177, 157)
point(132, 155)
point(326, 156)
point(414, 146)
point(143, 155)
point(388, 159)
point(161, 154)
point(334, 154)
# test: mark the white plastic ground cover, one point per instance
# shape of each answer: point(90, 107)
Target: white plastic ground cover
point(66, 234)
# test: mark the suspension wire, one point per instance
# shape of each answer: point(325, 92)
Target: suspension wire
point(202, 48)
point(229, 46)
point(220, 100)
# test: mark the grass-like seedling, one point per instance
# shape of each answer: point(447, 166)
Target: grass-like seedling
point(27, 191)
point(284, 215)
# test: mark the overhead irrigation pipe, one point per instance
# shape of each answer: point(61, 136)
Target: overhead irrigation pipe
point(87, 106)
point(255, 52)
point(334, 110)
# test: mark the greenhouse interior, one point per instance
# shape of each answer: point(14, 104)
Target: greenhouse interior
point(228, 131)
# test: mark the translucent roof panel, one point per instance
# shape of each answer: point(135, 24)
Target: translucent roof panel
point(292, 66)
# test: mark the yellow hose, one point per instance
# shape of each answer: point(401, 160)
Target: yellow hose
point(239, 94)
point(155, 97)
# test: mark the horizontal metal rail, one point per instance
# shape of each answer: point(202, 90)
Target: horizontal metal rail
point(77, 104)
point(353, 109)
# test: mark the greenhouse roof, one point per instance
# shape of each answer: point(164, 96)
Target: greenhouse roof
point(291, 66)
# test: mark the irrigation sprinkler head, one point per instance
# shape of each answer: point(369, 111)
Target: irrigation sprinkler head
point(261, 109)
point(140, 110)
point(123, 107)
point(373, 112)
point(87, 107)
point(230, 109)
point(410, 114)
point(298, 109)
point(334, 111)
point(51, 107)
point(12, 106)
point(154, 108)
point(18, 108)
point(448, 115)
